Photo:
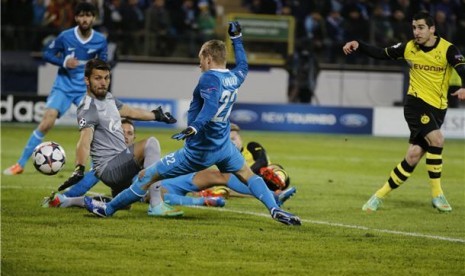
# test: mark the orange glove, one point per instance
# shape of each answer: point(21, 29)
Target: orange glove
point(272, 178)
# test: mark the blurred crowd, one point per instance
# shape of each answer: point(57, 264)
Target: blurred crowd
point(178, 27)
point(323, 26)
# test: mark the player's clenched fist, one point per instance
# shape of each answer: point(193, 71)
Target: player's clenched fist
point(234, 29)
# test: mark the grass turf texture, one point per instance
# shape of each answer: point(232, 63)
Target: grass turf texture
point(334, 175)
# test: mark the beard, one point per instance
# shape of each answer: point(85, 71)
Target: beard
point(99, 93)
point(85, 29)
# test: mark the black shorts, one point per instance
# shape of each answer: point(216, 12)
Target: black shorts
point(120, 171)
point(422, 118)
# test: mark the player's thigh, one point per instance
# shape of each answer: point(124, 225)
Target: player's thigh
point(422, 119)
point(177, 163)
point(210, 177)
point(120, 171)
point(231, 159)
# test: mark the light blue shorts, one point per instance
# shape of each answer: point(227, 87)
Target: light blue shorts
point(61, 101)
point(183, 161)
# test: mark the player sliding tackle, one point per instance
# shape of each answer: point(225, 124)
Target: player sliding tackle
point(207, 135)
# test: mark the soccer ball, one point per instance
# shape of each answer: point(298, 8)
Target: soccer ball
point(49, 158)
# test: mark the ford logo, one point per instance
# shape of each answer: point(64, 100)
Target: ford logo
point(353, 120)
point(244, 116)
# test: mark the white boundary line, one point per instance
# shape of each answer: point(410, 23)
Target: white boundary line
point(394, 232)
point(335, 224)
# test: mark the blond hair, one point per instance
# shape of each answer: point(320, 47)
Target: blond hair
point(216, 49)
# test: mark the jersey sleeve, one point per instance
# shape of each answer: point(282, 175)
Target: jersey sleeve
point(51, 51)
point(242, 67)
point(87, 116)
point(209, 87)
point(393, 52)
point(396, 51)
point(103, 51)
point(456, 60)
point(119, 104)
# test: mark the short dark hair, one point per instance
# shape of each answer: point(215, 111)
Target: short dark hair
point(127, 121)
point(429, 20)
point(85, 7)
point(95, 64)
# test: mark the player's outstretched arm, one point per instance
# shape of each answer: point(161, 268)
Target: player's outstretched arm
point(144, 115)
point(395, 51)
point(235, 33)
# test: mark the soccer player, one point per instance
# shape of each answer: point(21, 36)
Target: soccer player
point(276, 178)
point(69, 51)
point(431, 60)
point(101, 137)
point(207, 135)
point(74, 195)
point(174, 190)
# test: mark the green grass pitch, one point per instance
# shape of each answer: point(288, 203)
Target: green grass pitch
point(334, 176)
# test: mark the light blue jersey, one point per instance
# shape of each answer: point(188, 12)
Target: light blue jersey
point(69, 86)
point(212, 102)
point(213, 99)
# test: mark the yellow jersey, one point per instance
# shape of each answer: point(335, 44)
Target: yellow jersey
point(429, 72)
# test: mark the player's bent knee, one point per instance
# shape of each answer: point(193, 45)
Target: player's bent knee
point(153, 144)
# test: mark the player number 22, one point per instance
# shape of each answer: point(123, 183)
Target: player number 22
point(227, 99)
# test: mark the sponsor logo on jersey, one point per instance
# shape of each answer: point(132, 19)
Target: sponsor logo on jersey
point(244, 116)
point(424, 119)
point(353, 120)
point(114, 126)
point(71, 48)
point(428, 67)
point(90, 51)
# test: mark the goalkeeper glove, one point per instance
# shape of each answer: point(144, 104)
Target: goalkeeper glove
point(75, 177)
point(272, 178)
point(161, 116)
point(189, 131)
point(234, 29)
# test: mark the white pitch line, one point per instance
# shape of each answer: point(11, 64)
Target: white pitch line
point(411, 234)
